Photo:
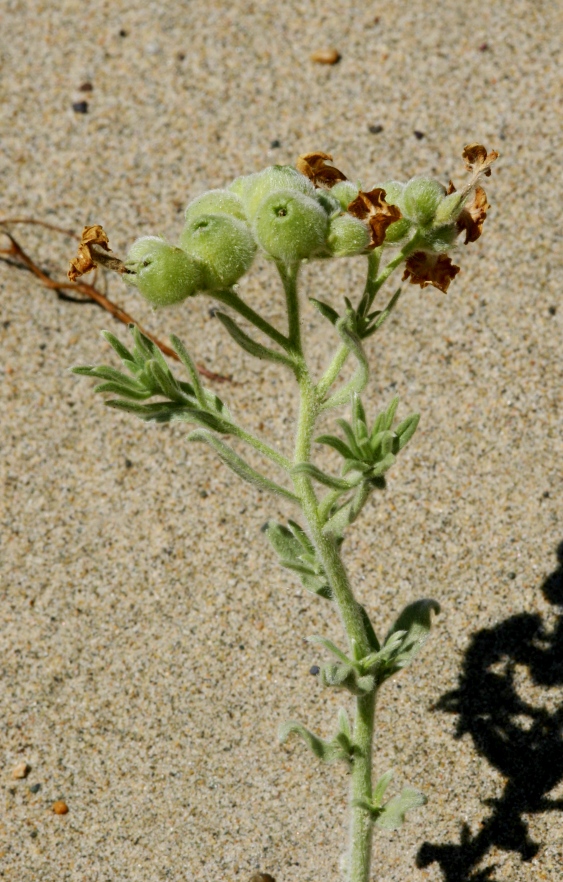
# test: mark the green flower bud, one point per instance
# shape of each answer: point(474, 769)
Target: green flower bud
point(223, 244)
point(439, 239)
point(216, 202)
point(164, 274)
point(449, 209)
point(345, 192)
point(420, 199)
point(290, 226)
point(257, 187)
point(329, 203)
point(347, 235)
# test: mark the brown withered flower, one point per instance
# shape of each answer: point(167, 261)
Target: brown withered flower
point(314, 166)
point(426, 269)
point(473, 216)
point(478, 160)
point(379, 215)
point(89, 256)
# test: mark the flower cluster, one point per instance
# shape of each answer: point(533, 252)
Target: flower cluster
point(307, 212)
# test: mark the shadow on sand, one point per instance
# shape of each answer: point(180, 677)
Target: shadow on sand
point(524, 742)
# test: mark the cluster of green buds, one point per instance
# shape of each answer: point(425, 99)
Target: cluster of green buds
point(308, 212)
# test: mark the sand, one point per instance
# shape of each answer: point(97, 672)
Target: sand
point(150, 644)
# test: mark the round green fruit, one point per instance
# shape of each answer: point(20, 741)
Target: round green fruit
point(290, 226)
point(163, 274)
point(223, 244)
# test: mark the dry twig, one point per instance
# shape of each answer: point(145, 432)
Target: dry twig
point(90, 292)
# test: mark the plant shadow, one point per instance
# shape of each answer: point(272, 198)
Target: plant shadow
point(522, 741)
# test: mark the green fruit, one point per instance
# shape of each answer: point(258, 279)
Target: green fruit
point(449, 209)
point(290, 226)
point(223, 244)
point(262, 184)
point(163, 274)
point(347, 235)
point(330, 204)
point(216, 202)
point(420, 199)
point(345, 192)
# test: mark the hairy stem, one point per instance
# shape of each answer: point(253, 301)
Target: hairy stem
point(350, 611)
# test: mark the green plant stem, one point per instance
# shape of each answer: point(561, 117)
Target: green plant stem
point(261, 447)
point(373, 286)
point(288, 275)
point(350, 611)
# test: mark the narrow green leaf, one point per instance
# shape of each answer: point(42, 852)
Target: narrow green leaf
point(238, 464)
point(337, 444)
point(118, 346)
point(120, 389)
point(321, 748)
point(381, 787)
point(302, 537)
point(350, 437)
point(192, 370)
point(250, 345)
point(344, 723)
point(415, 622)
point(328, 644)
point(393, 813)
point(406, 430)
point(307, 468)
point(325, 310)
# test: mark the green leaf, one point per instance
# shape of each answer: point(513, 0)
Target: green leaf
point(120, 389)
point(361, 376)
point(381, 787)
point(307, 468)
point(250, 345)
point(350, 437)
point(324, 750)
point(406, 430)
point(165, 381)
point(393, 813)
point(383, 315)
point(118, 346)
point(337, 444)
point(239, 465)
point(325, 310)
point(192, 370)
point(328, 644)
point(415, 622)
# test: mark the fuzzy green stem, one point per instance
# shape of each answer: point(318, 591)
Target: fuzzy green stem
point(361, 822)
point(288, 274)
point(373, 286)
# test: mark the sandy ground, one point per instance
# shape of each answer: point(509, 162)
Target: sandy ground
point(150, 645)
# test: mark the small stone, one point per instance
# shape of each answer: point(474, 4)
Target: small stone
point(483, 47)
point(546, 494)
point(418, 135)
point(80, 106)
point(326, 56)
point(275, 144)
point(123, 32)
point(35, 788)
point(261, 877)
point(314, 670)
point(375, 130)
point(60, 807)
point(86, 87)
point(22, 770)
point(203, 494)
point(128, 464)
point(512, 576)
point(552, 310)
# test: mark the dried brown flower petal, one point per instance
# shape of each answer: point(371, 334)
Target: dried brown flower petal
point(373, 208)
point(478, 160)
point(314, 167)
point(473, 216)
point(426, 269)
point(88, 257)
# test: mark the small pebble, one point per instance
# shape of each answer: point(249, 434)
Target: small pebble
point(552, 310)
point(275, 144)
point(546, 494)
point(86, 87)
point(375, 130)
point(60, 807)
point(22, 770)
point(483, 47)
point(326, 56)
point(35, 788)
point(128, 464)
point(262, 877)
point(512, 576)
point(418, 135)
point(123, 32)
point(314, 670)
point(80, 106)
